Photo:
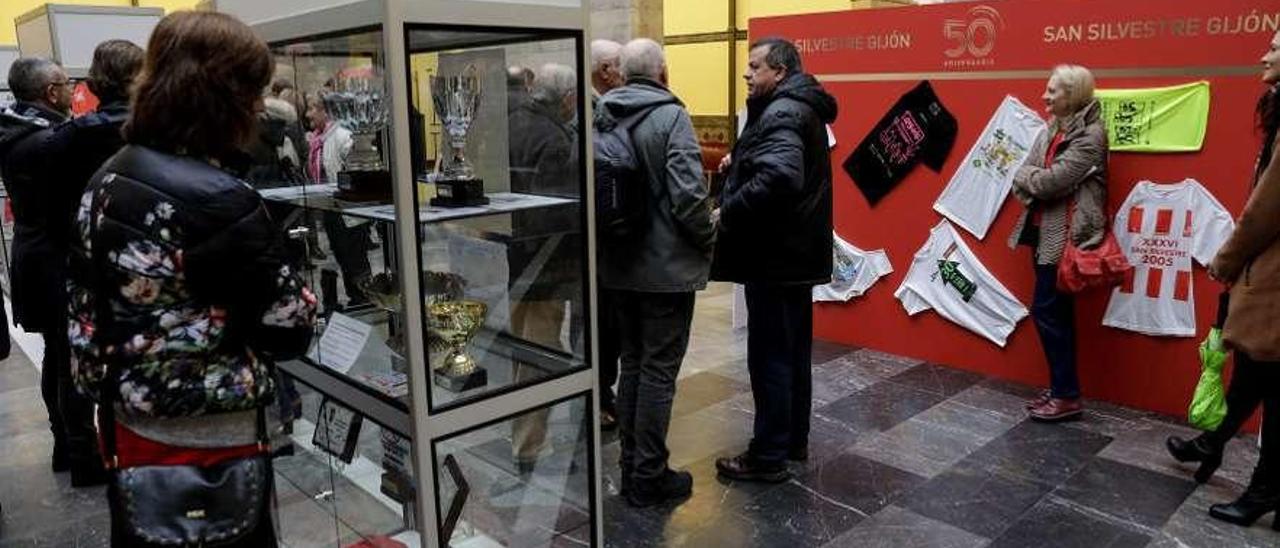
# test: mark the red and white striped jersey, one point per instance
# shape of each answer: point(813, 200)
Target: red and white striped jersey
point(1162, 227)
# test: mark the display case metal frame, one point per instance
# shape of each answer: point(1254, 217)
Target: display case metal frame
point(56, 48)
point(428, 426)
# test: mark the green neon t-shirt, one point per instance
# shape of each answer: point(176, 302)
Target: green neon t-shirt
point(1168, 119)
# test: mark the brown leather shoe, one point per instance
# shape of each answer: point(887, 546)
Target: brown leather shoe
point(744, 467)
point(1058, 410)
point(1040, 399)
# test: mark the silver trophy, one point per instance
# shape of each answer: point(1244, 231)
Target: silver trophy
point(457, 102)
point(360, 105)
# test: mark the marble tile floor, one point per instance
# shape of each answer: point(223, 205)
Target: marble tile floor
point(914, 454)
point(903, 454)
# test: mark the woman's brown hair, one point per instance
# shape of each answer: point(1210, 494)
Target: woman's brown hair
point(204, 74)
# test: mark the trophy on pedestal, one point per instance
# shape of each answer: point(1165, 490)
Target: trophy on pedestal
point(457, 101)
point(454, 324)
point(384, 291)
point(360, 105)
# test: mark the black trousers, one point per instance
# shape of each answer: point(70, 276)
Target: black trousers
point(350, 247)
point(609, 353)
point(70, 414)
point(779, 359)
point(653, 334)
point(6, 344)
point(1253, 383)
point(1054, 314)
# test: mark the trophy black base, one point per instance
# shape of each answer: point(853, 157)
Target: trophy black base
point(396, 487)
point(364, 186)
point(461, 383)
point(459, 193)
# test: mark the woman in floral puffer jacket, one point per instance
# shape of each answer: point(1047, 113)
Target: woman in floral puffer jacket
point(178, 275)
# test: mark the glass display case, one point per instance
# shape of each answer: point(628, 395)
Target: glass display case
point(427, 162)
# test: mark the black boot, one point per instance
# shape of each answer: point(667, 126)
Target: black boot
point(61, 457)
point(670, 486)
point(88, 472)
point(1262, 496)
point(798, 454)
point(1199, 450)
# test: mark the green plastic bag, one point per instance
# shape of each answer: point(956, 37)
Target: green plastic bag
point(1209, 404)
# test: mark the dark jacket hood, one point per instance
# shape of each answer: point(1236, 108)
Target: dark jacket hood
point(806, 89)
point(21, 119)
point(636, 96)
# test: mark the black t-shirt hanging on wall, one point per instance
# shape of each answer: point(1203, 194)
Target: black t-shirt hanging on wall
point(917, 129)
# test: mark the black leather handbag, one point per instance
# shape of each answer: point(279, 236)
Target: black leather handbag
point(185, 505)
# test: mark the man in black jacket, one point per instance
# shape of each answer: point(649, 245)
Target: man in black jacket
point(76, 149)
point(43, 94)
point(775, 237)
point(649, 278)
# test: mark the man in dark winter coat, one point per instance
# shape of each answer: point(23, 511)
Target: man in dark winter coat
point(43, 95)
point(775, 238)
point(649, 279)
point(76, 149)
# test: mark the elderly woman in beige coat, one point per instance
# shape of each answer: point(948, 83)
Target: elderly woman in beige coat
point(1249, 263)
point(1066, 176)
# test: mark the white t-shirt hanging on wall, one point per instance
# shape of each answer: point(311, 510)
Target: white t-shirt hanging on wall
point(1161, 227)
point(853, 272)
point(947, 277)
point(983, 181)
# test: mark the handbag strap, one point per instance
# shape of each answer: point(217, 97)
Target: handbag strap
point(1107, 215)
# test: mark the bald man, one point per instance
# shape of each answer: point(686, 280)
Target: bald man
point(605, 76)
point(649, 279)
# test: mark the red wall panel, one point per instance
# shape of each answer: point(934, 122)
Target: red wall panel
point(1137, 370)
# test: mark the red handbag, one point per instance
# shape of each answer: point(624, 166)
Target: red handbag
point(1102, 266)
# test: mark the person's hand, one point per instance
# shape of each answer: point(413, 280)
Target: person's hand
point(715, 216)
point(724, 163)
point(1219, 272)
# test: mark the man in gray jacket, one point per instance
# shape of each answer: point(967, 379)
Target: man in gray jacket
point(650, 279)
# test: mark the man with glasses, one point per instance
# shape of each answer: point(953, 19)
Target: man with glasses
point(43, 94)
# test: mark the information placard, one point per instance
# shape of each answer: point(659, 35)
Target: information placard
point(340, 345)
point(337, 430)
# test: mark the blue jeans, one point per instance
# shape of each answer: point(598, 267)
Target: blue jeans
point(1054, 314)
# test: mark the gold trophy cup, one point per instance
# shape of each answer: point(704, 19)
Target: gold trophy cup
point(455, 323)
point(384, 291)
